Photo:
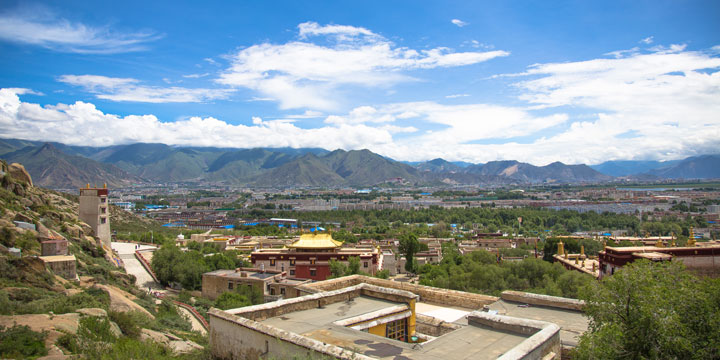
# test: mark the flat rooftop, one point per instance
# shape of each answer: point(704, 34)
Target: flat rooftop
point(572, 323)
point(468, 342)
point(239, 274)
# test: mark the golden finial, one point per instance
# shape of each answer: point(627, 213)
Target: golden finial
point(691, 240)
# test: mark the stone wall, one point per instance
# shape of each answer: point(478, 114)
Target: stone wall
point(543, 300)
point(543, 341)
point(233, 337)
point(427, 294)
point(429, 325)
point(63, 266)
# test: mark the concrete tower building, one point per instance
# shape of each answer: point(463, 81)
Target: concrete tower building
point(94, 211)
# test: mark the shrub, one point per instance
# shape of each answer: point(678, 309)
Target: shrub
point(231, 300)
point(19, 342)
point(169, 317)
point(130, 323)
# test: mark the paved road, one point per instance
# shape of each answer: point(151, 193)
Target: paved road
point(132, 265)
point(196, 325)
point(144, 281)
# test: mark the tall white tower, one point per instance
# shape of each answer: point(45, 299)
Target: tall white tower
point(95, 211)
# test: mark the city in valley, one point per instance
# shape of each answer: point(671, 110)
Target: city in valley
point(372, 180)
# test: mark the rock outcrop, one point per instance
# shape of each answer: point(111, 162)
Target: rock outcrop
point(18, 172)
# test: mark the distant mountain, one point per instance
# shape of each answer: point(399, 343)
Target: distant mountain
point(51, 167)
point(364, 167)
point(630, 167)
point(308, 170)
point(337, 168)
point(59, 165)
point(696, 167)
point(438, 165)
point(523, 172)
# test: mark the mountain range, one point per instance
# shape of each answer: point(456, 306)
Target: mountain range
point(58, 165)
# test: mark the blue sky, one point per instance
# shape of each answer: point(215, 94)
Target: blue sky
point(578, 82)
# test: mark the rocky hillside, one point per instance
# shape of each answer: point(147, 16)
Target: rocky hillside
point(97, 313)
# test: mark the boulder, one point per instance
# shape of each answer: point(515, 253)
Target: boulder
point(97, 312)
point(115, 329)
point(23, 218)
point(18, 172)
point(42, 229)
point(122, 301)
point(173, 342)
point(55, 325)
point(73, 230)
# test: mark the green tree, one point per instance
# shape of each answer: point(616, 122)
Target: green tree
point(409, 246)
point(231, 300)
point(353, 265)
point(651, 311)
point(337, 268)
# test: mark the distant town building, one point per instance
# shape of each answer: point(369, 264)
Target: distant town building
point(703, 259)
point(309, 257)
point(95, 211)
point(273, 284)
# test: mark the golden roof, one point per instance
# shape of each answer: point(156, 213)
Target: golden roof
point(315, 241)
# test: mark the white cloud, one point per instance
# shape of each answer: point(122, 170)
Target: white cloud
point(308, 114)
point(195, 76)
point(453, 96)
point(458, 22)
point(302, 74)
point(128, 89)
point(669, 97)
point(577, 112)
point(82, 123)
point(647, 40)
point(343, 32)
point(41, 27)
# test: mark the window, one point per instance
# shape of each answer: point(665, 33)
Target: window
point(102, 210)
point(282, 291)
point(272, 291)
point(365, 264)
point(230, 285)
point(313, 272)
point(292, 272)
point(103, 200)
point(396, 329)
point(103, 220)
point(272, 262)
point(282, 267)
point(292, 262)
point(312, 262)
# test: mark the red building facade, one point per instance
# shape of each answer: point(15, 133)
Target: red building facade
point(309, 257)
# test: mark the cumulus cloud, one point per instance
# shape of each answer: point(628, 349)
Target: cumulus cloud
point(129, 89)
point(458, 22)
point(303, 74)
point(82, 123)
point(42, 27)
point(669, 98)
